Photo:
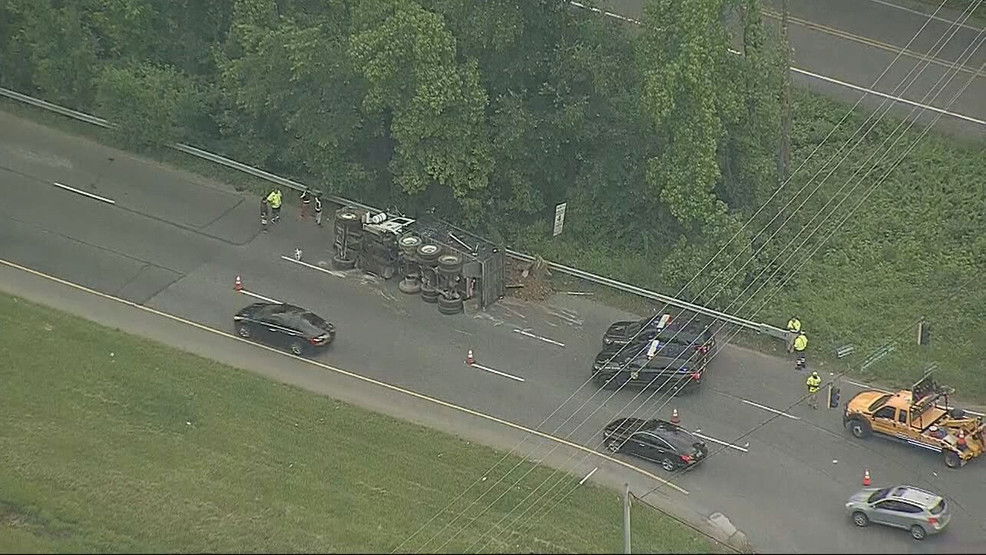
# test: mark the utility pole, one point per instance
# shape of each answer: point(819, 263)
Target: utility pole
point(626, 518)
point(785, 161)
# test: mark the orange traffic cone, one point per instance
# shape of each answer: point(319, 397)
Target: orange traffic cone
point(866, 478)
point(470, 360)
point(238, 284)
point(674, 417)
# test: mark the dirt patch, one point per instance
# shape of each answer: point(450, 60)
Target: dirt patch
point(530, 281)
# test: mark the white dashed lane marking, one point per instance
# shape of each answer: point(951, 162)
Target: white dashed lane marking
point(83, 193)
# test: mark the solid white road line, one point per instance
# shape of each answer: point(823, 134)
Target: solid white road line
point(353, 375)
point(84, 193)
point(527, 333)
point(314, 267)
point(497, 372)
point(591, 472)
point(720, 442)
point(764, 407)
point(889, 96)
point(261, 297)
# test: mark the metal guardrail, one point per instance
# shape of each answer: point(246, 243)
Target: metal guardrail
point(285, 182)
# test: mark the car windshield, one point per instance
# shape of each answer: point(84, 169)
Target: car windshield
point(879, 402)
point(878, 495)
point(938, 508)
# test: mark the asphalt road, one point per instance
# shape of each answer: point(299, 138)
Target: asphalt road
point(174, 242)
point(855, 41)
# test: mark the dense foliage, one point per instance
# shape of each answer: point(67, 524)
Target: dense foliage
point(663, 143)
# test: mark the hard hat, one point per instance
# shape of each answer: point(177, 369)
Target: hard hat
point(814, 372)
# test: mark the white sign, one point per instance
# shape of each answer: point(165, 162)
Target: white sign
point(559, 218)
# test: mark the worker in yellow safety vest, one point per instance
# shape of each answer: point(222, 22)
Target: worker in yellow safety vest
point(800, 344)
point(274, 199)
point(793, 327)
point(813, 383)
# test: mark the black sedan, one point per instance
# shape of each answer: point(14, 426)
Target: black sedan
point(667, 444)
point(682, 330)
point(284, 325)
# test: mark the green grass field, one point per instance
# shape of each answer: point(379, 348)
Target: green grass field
point(113, 443)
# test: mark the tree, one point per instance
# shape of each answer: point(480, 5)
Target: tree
point(682, 58)
point(57, 51)
point(435, 103)
point(148, 103)
point(750, 171)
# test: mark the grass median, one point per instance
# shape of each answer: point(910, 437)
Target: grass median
point(114, 443)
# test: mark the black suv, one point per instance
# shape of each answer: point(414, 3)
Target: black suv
point(682, 329)
point(667, 444)
point(651, 364)
point(284, 325)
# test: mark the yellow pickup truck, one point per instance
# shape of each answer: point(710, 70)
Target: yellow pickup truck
point(920, 417)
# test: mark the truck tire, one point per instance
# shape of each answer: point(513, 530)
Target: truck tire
point(428, 252)
point(449, 304)
point(342, 263)
point(428, 293)
point(450, 262)
point(409, 243)
point(859, 428)
point(409, 286)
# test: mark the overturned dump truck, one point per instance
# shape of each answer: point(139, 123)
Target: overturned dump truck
point(445, 265)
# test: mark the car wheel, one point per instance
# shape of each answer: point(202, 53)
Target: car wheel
point(667, 464)
point(613, 446)
point(860, 519)
point(343, 263)
point(917, 532)
point(952, 459)
point(860, 429)
point(297, 348)
point(243, 331)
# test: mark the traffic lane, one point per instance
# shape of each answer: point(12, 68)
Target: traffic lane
point(919, 81)
point(89, 265)
point(103, 226)
point(892, 26)
point(136, 184)
point(399, 339)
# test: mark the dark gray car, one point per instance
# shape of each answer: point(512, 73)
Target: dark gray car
point(916, 510)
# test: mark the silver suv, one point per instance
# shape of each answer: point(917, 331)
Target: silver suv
point(919, 511)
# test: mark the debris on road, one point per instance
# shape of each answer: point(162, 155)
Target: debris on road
point(534, 279)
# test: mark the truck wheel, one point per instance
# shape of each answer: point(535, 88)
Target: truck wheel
point(429, 252)
point(859, 428)
point(343, 263)
point(409, 286)
point(952, 459)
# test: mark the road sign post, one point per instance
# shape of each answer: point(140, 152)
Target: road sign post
point(559, 218)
